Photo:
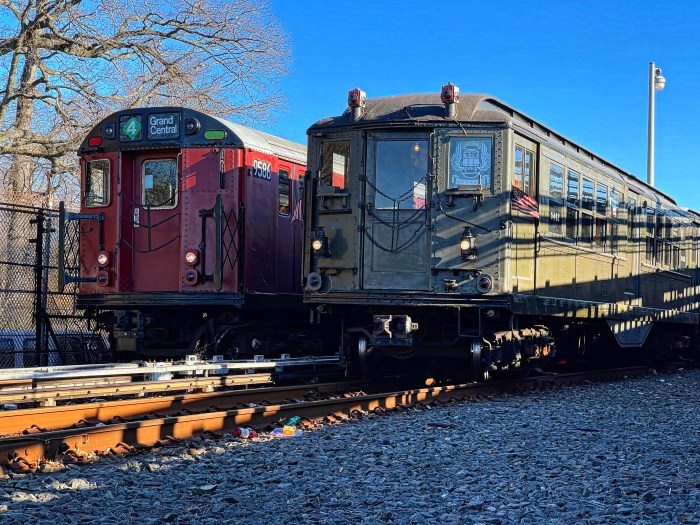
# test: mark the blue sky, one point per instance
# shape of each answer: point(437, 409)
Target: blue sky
point(579, 67)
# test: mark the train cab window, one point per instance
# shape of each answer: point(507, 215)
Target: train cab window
point(159, 183)
point(283, 192)
point(522, 175)
point(97, 183)
point(335, 163)
point(401, 172)
point(471, 161)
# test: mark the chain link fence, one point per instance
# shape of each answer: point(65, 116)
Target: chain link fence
point(38, 325)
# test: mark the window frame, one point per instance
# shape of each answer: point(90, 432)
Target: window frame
point(280, 193)
point(176, 192)
point(107, 182)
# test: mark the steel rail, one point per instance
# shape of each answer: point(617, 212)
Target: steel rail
point(48, 395)
point(26, 451)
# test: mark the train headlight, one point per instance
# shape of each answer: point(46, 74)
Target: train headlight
point(191, 277)
point(102, 278)
point(484, 283)
point(191, 257)
point(467, 246)
point(319, 243)
point(102, 259)
point(192, 126)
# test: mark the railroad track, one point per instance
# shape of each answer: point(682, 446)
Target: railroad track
point(77, 433)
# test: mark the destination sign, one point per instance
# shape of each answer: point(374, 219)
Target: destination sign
point(163, 126)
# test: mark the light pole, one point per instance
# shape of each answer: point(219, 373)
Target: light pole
point(656, 83)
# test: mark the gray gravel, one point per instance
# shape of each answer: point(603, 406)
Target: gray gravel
point(625, 452)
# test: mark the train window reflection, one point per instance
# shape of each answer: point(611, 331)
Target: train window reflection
point(97, 183)
point(160, 183)
point(401, 169)
point(335, 163)
point(587, 194)
point(572, 187)
point(470, 161)
point(556, 181)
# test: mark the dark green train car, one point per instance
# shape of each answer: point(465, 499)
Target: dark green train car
point(450, 226)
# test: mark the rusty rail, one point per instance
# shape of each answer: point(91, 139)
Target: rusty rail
point(26, 451)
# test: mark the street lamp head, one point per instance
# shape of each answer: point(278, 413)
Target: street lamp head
point(659, 80)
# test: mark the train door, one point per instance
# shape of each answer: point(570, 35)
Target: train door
point(286, 245)
point(153, 214)
point(396, 236)
point(525, 213)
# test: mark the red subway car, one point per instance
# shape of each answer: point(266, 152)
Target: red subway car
point(189, 235)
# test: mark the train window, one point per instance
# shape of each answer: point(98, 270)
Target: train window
point(283, 192)
point(586, 229)
point(471, 161)
point(555, 216)
point(601, 198)
point(97, 183)
point(335, 163)
point(649, 252)
point(614, 203)
point(601, 233)
point(401, 171)
point(571, 223)
point(650, 221)
point(159, 182)
point(572, 187)
point(523, 169)
point(587, 194)
point(556, 181)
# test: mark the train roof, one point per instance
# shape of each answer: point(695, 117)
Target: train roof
point(114, 138)
point(427, 109)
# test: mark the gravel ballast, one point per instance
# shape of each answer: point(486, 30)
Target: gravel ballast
point(620, 452)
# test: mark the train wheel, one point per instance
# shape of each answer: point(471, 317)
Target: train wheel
point(370, 360)
point(479, 372)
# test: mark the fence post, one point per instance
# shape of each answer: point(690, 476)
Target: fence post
point(41, 346)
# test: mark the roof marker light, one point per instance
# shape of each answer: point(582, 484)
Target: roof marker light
point(95, 141)
point(450, 96)
point(356, 101)
point(214, 134)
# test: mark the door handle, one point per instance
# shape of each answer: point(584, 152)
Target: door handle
point(136, 217)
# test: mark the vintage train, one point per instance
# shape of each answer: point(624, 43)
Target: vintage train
point(189, 236)
point(438, 232)
point(456, 228)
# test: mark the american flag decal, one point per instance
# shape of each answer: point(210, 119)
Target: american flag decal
point(521, 201)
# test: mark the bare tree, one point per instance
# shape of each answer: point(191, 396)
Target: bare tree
point(69, 63)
